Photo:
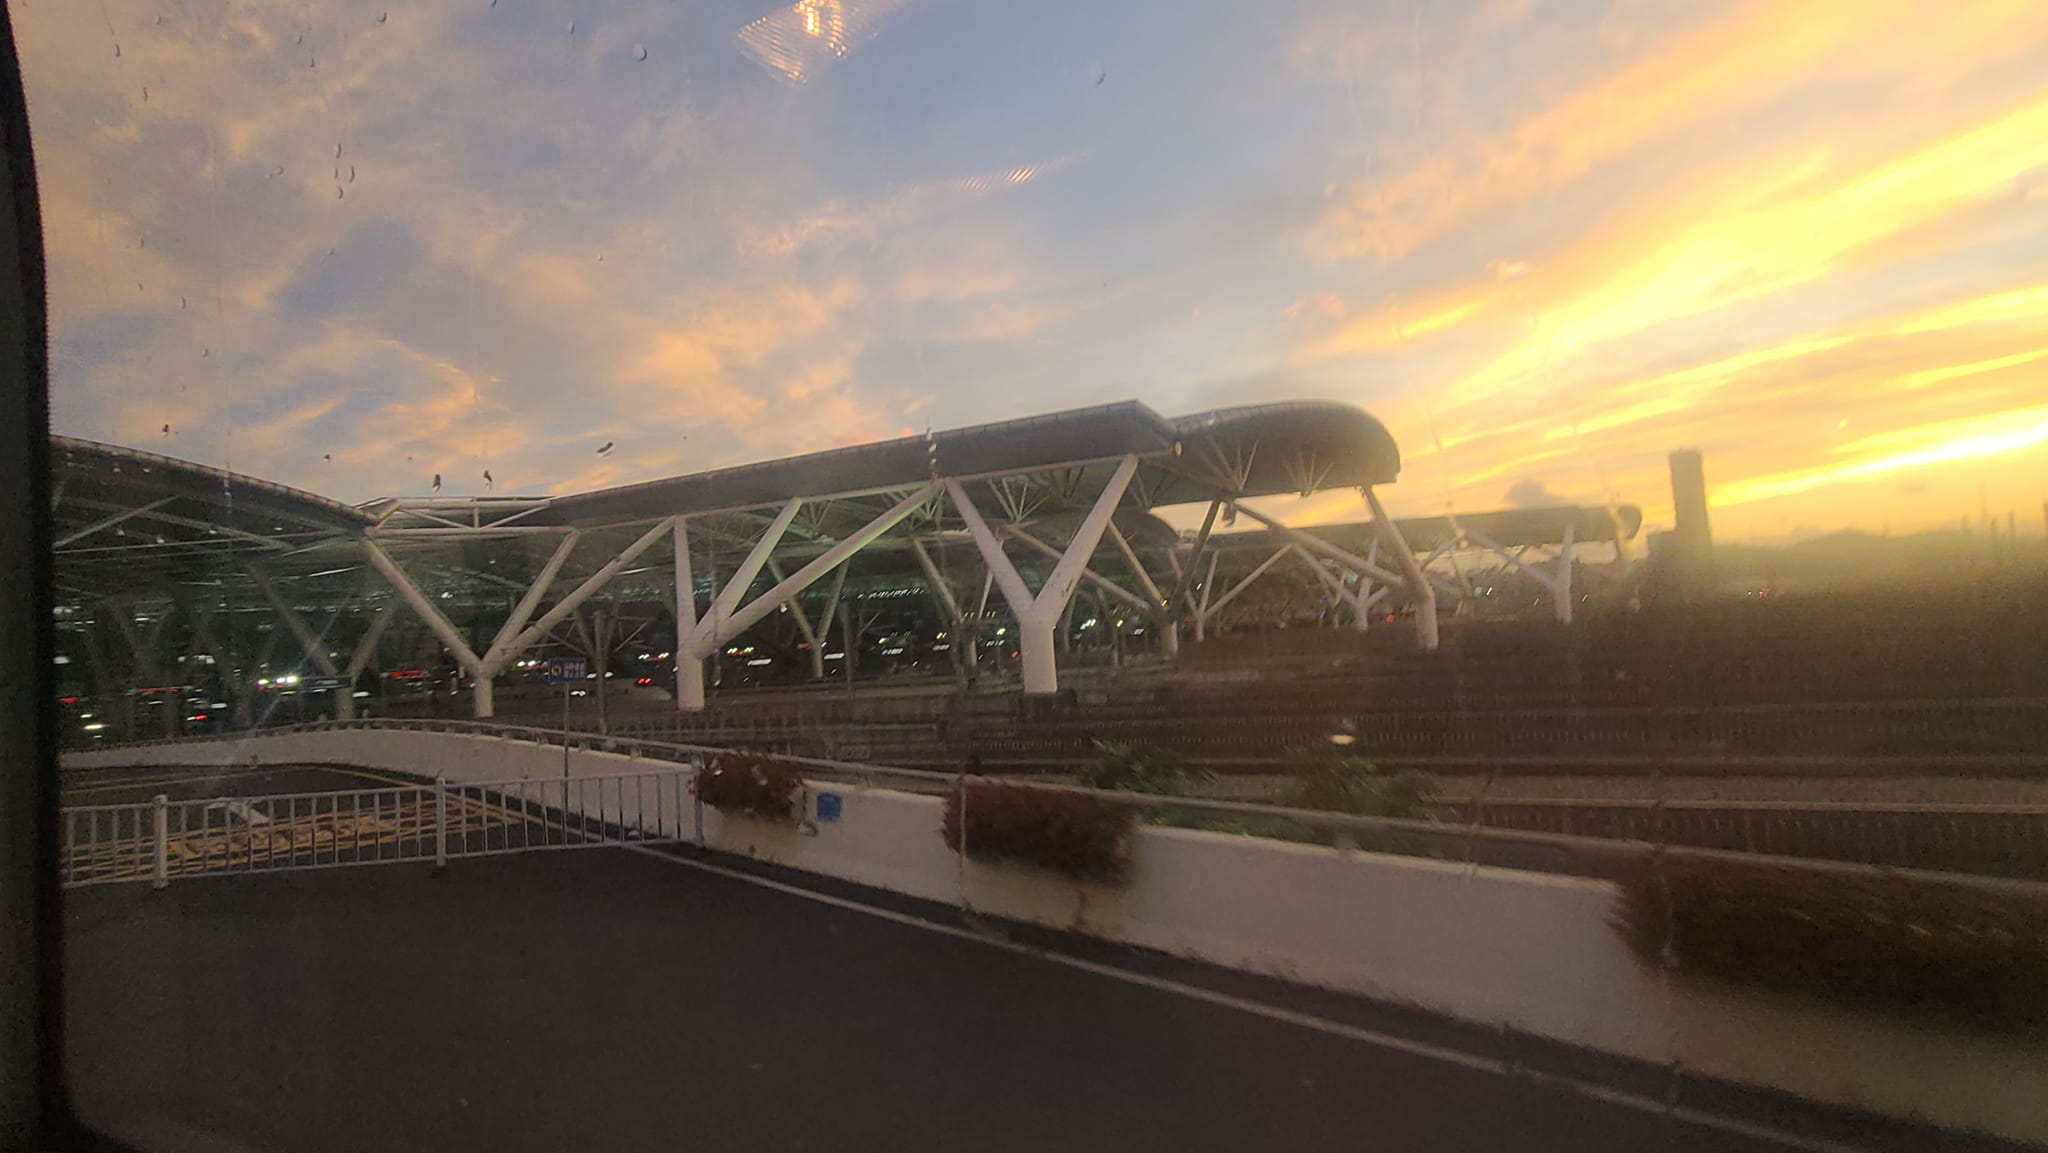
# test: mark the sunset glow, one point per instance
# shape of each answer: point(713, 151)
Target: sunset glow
point(1544, 244)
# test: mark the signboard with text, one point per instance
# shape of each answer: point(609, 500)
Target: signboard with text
point(560, 669)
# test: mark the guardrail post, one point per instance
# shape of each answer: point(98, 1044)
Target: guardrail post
point(160, 858)
point(960, 782)
point(696, 801)
point(441, 824)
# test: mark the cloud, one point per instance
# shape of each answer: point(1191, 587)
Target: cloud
point(1529, 492)
point(1728, 64)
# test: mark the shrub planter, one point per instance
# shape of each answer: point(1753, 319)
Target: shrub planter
point(1080, 837)
point(742, 785)
point(1965, 954)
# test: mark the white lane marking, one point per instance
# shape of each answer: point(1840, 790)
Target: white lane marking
point(1593, 1090)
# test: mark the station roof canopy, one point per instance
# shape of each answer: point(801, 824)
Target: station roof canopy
point(1253, 451)
point(1509, 528)
point(131, 522)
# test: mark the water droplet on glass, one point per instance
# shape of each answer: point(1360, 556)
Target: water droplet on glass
point(204, 352)
point(639, 51)
point(181, 302)
point(145, 94)
point(351, 174)
point(117, 50)
point(338, 193)
point(277, 172)
point(337, 152)
point(311, 61)
point(299, 39)
point(383, 16)
point(572, 28)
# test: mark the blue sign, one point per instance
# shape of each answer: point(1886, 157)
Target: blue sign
point(559, 669)
point(828, 808)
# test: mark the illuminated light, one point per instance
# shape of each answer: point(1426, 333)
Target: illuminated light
point(359, 694)
point(60, 659)
point(891, 652)
point(834, 656)
point(661, 657)
point(262, 682)
point(1002, 631)
point(942, 648)
point(1342, 738)
point(1089, 623)
point(85, 716)
point(757, 662)
point(94, 727)
point(197, 717)
point(812, 25)
point(1955, 371)
point(224, 704)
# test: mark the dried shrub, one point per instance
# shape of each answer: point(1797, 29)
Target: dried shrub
point(1141, 768)
point(752, 786)
point(1072, 834)
point(1337, 782)
point(1965, 954)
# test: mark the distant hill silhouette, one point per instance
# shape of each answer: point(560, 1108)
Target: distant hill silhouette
point(1847, 559)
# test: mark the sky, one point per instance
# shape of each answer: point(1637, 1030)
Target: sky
point(348, 247)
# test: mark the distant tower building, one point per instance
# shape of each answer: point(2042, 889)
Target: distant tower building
point(1693, 543)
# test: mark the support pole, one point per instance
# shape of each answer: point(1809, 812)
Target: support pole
point(365, 652)
point(689, 664)
point(160, 854)
point(1187, 574)
point(437, 624)
point(523, 611)
point(704, 636)
point(584, 591)
point(441, 821)
point(949, 606)
point(1562, 589)
point(1037, 615)
point(1419, 590)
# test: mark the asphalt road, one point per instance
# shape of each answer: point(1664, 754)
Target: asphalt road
point(614, 1000)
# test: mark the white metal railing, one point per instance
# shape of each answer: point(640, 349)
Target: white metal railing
point(1473, 841)
point(161, 839)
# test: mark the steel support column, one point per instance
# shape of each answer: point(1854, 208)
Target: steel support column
point(1419, 590)
point(726, 620)
point(1038, 614)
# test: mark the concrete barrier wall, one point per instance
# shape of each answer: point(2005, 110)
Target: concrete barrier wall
point(1533, 952)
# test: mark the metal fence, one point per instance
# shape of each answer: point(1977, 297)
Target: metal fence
point(162, 839)
point(1489, 837)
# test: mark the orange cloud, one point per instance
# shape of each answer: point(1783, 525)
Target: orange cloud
point(1733, 64)
point(1943, 443)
